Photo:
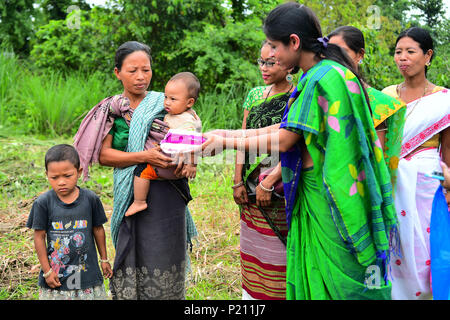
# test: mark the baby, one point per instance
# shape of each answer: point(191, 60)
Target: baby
point(180, 94)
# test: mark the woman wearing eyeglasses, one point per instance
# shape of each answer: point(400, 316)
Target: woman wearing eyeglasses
point(263, 217)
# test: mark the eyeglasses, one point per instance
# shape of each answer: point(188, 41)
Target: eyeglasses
point(268, 63)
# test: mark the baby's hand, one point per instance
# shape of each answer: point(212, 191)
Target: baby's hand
point(106, 269)
point(189, 171)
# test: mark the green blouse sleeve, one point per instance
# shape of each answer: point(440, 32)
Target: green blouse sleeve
point(253, 95)
point(120, 132)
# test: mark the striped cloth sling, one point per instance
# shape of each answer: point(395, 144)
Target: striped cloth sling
point(150, 108)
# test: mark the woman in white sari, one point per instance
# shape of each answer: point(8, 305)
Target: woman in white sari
point(426, 140)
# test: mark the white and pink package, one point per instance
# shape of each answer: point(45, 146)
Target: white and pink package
point(179, 141)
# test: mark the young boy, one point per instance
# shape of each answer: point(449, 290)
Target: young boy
point(180, 94)
point(69, 219)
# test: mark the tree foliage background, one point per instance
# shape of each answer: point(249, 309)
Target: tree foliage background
point(217, 40)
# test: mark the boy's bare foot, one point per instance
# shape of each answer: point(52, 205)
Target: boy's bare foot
point(135, 207)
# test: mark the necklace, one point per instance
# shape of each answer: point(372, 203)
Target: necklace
point(411, 109)
point(270, 90)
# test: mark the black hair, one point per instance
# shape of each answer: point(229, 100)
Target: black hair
point(422, 37)
point(294, 18)
point(62, 152)
point(191, 81)
point(353, 37)
point(128, 48)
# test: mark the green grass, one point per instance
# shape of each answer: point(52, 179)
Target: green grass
point(221, 108)
point(9, 75)
point(215, 257)
point(48, 103)
point(53, 104)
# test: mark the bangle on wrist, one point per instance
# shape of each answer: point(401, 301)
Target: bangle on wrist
point(237, 185)
point(265, 189)
point(104, 261)
point(48, 273)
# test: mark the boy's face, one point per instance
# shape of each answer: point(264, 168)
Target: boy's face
point(63, 177)
point(176, 97)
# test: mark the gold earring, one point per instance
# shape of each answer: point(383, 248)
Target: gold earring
point(428, 63)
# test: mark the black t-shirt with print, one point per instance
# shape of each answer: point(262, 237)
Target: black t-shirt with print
point(71, 247)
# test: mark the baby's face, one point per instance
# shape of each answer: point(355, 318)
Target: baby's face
point(176, 97)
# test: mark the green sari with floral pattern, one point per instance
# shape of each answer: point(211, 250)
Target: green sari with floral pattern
point(343, 214)
point(391, 112)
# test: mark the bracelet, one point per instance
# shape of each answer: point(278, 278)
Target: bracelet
point(237, 185)
point(104, 261)
point(265, 189)
point(48, 273)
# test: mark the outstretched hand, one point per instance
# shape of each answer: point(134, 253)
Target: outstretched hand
point(220, 132)
point(214, 144)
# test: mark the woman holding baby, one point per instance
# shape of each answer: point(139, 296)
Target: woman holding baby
point(151, 244)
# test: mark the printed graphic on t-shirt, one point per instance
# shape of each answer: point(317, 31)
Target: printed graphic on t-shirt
point(68, 249)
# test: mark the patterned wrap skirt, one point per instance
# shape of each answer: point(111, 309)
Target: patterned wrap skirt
point(92, 293)
point(263, 255)
point(150, 262)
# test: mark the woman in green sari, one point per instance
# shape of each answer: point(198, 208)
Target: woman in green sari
point(337, 186)
point(388, 113)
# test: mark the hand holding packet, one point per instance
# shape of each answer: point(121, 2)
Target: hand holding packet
point(181, 141)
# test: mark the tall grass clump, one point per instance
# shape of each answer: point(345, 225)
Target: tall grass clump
point(51, 103)
point(48, 102)
point(222, 109)
point(9, 76)
point(54, 104)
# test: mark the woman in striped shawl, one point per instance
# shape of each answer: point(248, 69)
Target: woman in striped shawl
point(150, 261)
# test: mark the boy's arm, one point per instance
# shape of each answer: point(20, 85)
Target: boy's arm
point(41, 250)
point(100, 240)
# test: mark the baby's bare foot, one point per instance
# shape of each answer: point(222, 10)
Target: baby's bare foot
point(135, 207)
